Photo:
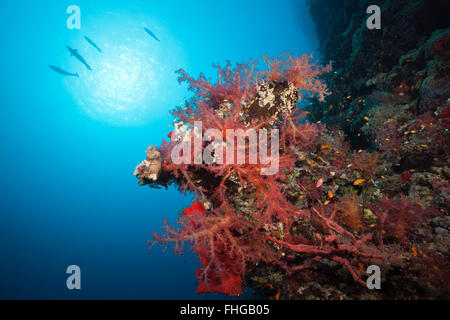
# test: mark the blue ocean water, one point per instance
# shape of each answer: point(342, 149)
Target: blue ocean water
point(69, 145)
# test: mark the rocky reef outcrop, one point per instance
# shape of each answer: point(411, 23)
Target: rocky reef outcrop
point(362, 157)
point(404, 65)
point(391, 93)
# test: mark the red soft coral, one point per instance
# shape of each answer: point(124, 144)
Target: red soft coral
point(334, 248)
point(224, 241)
point(196, 207)
point(301, 72)
point(397, 217)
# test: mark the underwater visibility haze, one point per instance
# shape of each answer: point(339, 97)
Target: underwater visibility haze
point(70, 144)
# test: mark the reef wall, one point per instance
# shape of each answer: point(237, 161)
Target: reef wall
point(404, 65)
point(390, 92)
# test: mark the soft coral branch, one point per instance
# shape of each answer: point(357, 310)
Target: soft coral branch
point(333, 248)
point(221, 240)
point(241, 98)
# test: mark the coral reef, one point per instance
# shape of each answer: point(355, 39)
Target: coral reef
point(391, 96)
point(150, 168)
point(362, 171)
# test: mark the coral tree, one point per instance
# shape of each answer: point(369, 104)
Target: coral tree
point(321, 218)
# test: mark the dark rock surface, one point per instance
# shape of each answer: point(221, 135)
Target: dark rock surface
point(391, 93)
point(403, 64)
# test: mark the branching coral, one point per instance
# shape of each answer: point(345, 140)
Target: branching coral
point(397, 217)
point(321, 203)
point(223, 241)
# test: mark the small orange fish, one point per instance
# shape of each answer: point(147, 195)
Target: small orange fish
point(443, 243)
point(311, 163)
point(330, 107)
point(330, 194)
point(325, 146)
point(361, 268)
point(419, 204)
point(366, 118)
point(269, 285)
point(358, 181)
point(414, 251)
point(319, 183)
point(326, 202)
point(277, 296)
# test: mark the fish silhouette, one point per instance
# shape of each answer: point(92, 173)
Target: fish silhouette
point(63, 72)
point(74, 52)
point(93, 44)
point(151, 34)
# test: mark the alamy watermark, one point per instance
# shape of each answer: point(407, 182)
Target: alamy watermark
point(74, 20)
point(234, 147)
point(374, 280)
point(74, 280)
point(374, 20)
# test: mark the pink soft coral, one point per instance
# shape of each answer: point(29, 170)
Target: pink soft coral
point(300, 71)
point(396, 217)
point(224, 240)
point(223, 243)
point(304, 208)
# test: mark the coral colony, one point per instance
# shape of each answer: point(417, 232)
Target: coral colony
point(284, 205)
